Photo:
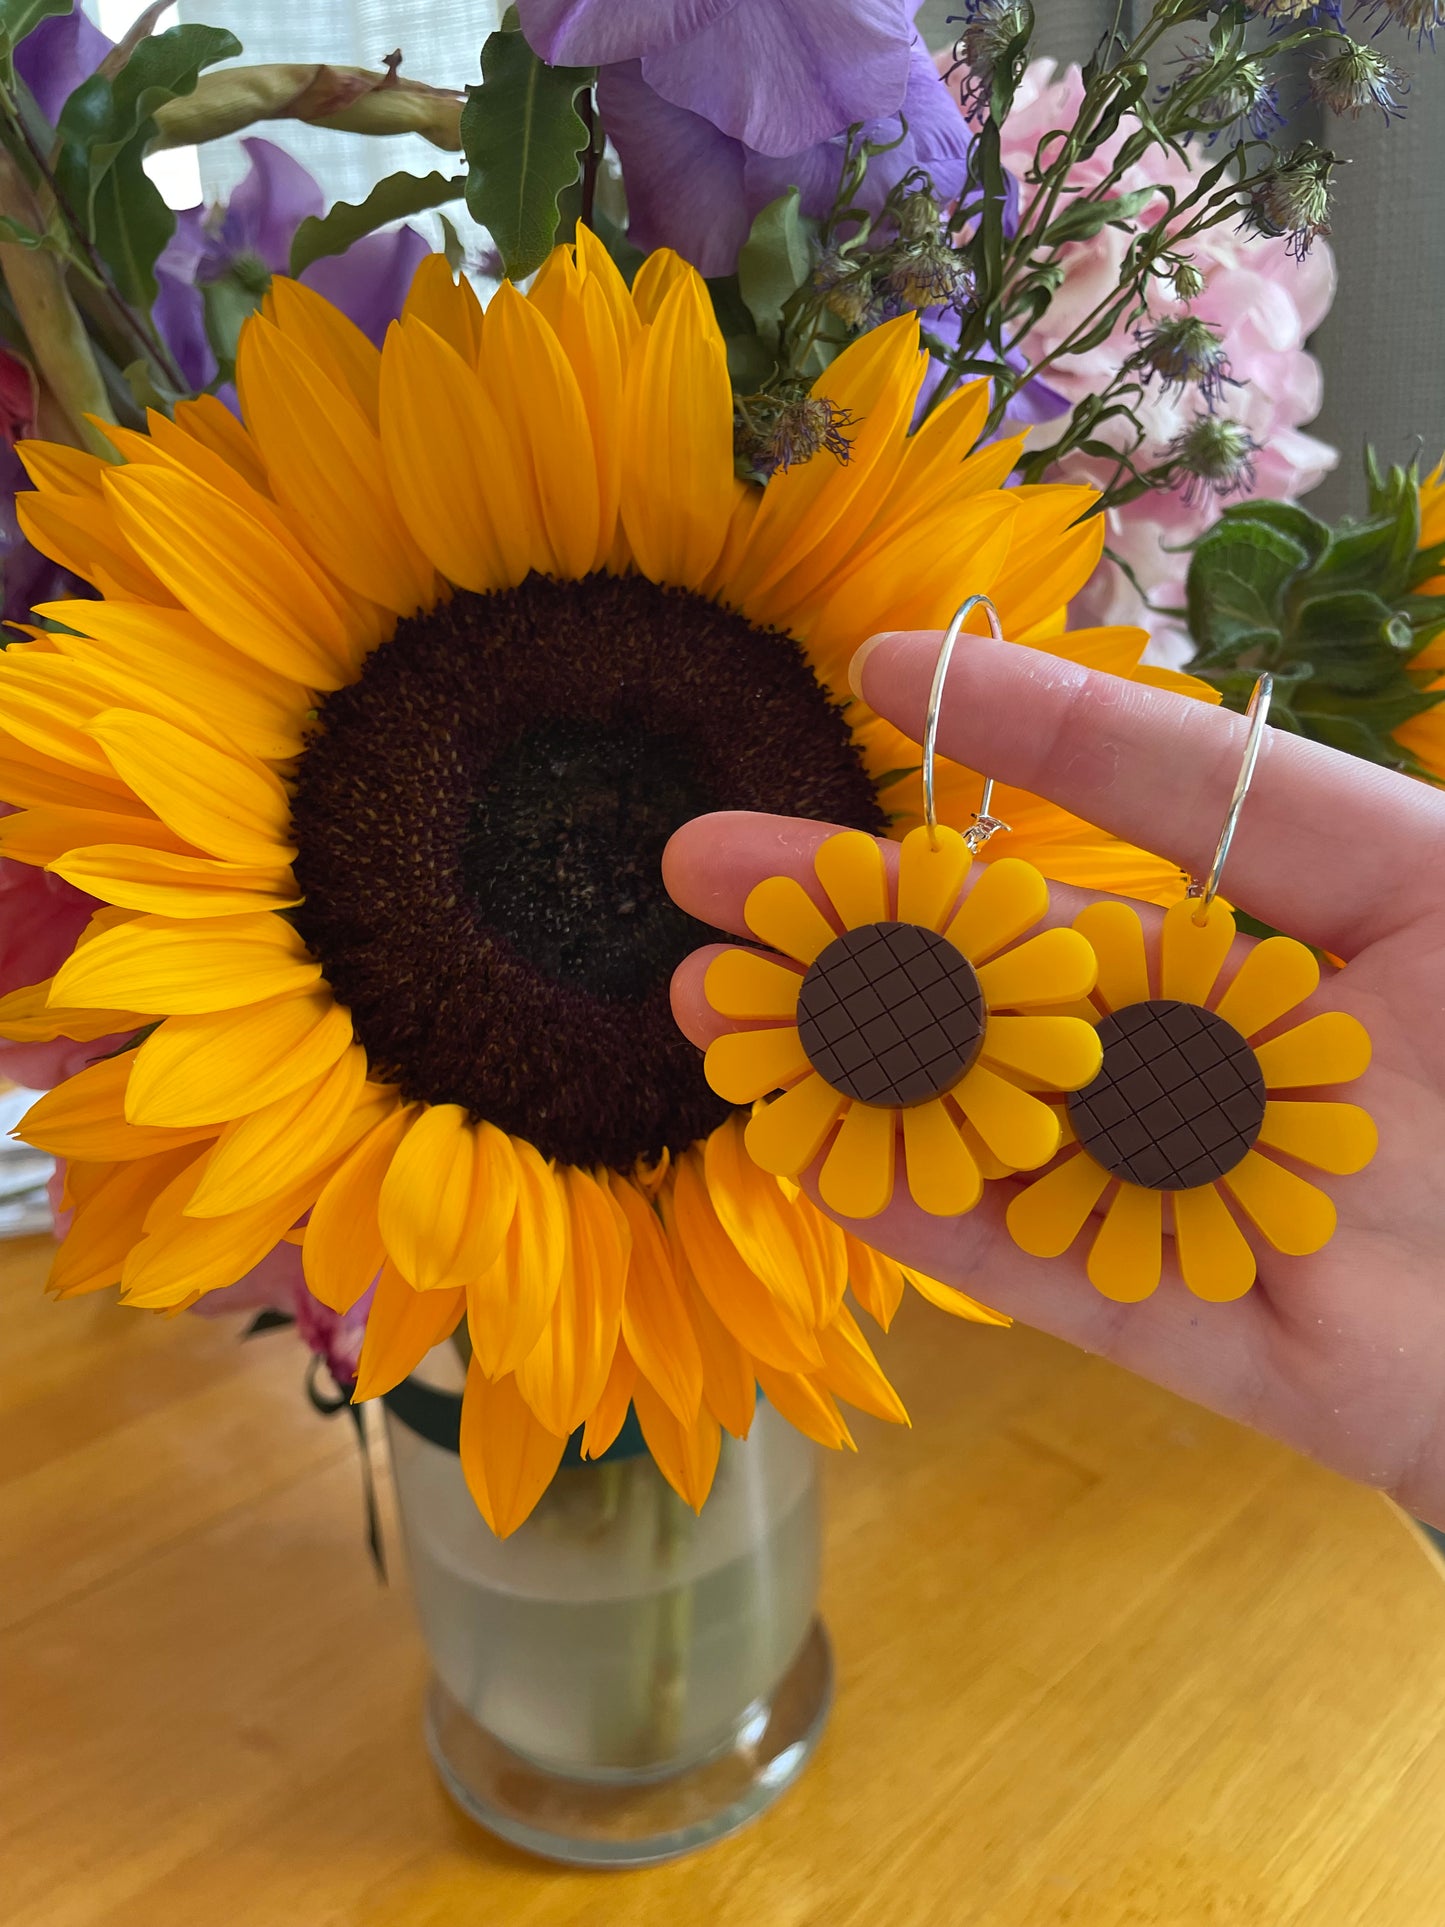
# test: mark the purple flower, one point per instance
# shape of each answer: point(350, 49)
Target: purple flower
point(777, 75)
point(694, 187)
point(59, 54)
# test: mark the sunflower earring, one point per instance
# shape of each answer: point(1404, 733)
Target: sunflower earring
point(904, 1026)
point(1185, 1106)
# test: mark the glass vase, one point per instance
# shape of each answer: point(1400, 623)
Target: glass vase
point(620, 1681)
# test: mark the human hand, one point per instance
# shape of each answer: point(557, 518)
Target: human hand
point(1341, 1354)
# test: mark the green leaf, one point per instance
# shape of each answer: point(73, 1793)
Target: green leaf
point(1372, 555)
point(103, 130)
point(524, 140)
point(390, 200)
point(775, 261)
point(18, 18)
point(228, 303)
point(1082, 219)
point(1289, 519)
point(452, 247)
point(1237, 578)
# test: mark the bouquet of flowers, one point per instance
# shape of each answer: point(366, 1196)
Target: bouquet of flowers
point(369, 639)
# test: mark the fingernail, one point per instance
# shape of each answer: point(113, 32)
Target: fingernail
point(860, 657)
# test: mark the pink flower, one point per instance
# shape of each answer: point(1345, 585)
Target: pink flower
point(277, 1284)
point(1257, 298)
point(40, 919)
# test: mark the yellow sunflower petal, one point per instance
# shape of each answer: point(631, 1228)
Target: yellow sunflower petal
point(447, 1198)
point(1117, 937)
point(685, 1452)
point(1127, 1254)
point(609, 1414)
point(342, 1251)
point(1008, 898)
point(1045, 1219)
point(780, 912)
point(785, 1135)
point(956, 1303)
point(740, 983)
point(1276, 975)
point(852, 1373)
point(84, 1119)
point(211, 1068)
point(153, 965)
point(1191, 955)
point(877, 1282)
point(1333, 1048)
point(564, 1374)
point(1022, 1132)
point(1294, 1215)
point(1340, 1138)
point(173, 885)
point(111, 1219)
point(757, 1219)
point(41, 837)
point(49, 705)
point(402, 1326)
point(850, 868)
point(447, 304)
point(655, 1321)
point(745, 1065)
point(1055, 967)
point(1058, 1053)
point(807, 1406)
point(857, 1175)
point(257, 1156)
point(509, 1304)
point(930, 879)
point(208, 423)
point(583, 322)
point(1214, 1254)
point(942, 1176)
point(458, 478)
point(755, 1316)
point(180, 1257)
point(729, 1389)
point(508, 1457)
point(30, 1015)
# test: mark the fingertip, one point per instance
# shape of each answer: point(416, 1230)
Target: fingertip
point(692, 1013)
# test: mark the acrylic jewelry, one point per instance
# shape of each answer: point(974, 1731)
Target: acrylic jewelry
point(1186, 1107)
point(896, 1025)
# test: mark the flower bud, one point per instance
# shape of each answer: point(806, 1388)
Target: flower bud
point(1355, 77)
point(1292, 200)
point(1214, 456)
point(1184, 352)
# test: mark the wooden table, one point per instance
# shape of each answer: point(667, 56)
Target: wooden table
point(1104, 1661)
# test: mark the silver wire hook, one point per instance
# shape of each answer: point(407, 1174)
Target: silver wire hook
point(1258, 714)
point(984, 824)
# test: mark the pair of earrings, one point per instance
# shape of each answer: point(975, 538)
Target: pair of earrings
point(926, 1028)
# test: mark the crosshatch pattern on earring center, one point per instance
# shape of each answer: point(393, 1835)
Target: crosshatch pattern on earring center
point(891, 1014)
point(1179, 1100)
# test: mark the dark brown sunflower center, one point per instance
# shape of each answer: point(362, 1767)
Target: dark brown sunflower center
point(891, 1014)
point(1178, 1101)
point(480, 819)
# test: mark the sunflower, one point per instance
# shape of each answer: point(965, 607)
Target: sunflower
point(1424, 736)
point(1183, 1099)
point(370, 750)
point(882, 1022)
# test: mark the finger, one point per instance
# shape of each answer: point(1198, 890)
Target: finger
point(693, 1014)
point(1158, 769)
point(711, 863)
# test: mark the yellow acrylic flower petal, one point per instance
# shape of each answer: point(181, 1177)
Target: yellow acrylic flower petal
point(786, 1135)
point(943, 1178)
point(780, 912)
point(1055, 967)
point(740, 983)
point(1056, 1053)
point(1191, 955)
point(1016, 1127)
point(930, 879)
point(1008, 898)
point(165, 969)
point(211, 1068)
point(989, 1166)
point(402, 1326)
point(1126, 1256)
point(1046, 1219)
point(1214, 1254)
point(509, 1457)
point(1333, 1048)
point(850, 868)
point(857, 1175)
point(745, 1065)
point(1293, 1214)
point(1340, 1138)
point(1276, 975)
point(174, 885)
point(1117, 936)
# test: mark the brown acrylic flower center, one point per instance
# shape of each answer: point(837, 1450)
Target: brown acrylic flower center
point(1178, 1101)
point(891, 1014)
